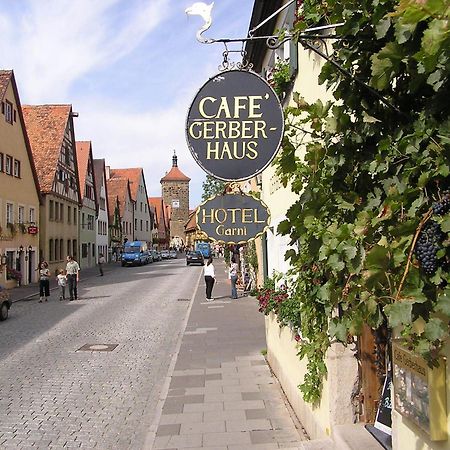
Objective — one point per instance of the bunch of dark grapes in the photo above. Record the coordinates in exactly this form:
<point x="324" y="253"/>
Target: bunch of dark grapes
<point x="442" y="207"/>
<point x="427" y="245"/>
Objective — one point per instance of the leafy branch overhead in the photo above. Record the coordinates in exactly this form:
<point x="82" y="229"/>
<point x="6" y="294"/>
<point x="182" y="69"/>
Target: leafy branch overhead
<point x="371" y="224"/>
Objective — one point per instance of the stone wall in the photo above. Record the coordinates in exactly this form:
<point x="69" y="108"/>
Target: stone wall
<point x="173" y="191"/>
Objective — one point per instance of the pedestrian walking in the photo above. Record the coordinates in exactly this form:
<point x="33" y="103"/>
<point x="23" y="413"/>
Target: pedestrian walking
<point x="210" y="278"/>
<point x="72" y="274"/>
<point x="44" y="281"/>
<point x="62" y="280"/>
<point x="101" y="261"/>
<point x="233" y="276"/>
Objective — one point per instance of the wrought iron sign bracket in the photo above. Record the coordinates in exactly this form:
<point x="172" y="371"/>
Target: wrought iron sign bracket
<point x="307" y="39"/>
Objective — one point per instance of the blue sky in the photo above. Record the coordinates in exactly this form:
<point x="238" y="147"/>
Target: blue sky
<point x="130" y="68"/>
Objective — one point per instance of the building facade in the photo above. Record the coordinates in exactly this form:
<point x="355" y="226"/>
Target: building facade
<point x="19" y="192"/>
<point x="120" y="188"/>
<point x="175" y="194"/>
<point x="101" y="238"/>
<point x="142" y="221"/>
<point x="89" y="207"/>
<point x="162" y="223"/>
<point x="50" y="129"/>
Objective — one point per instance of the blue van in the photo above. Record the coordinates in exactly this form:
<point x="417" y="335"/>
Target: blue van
<point x="135" y="253"/>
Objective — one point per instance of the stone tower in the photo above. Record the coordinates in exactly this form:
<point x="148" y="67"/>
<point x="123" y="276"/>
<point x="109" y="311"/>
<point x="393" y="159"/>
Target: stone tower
<point x="175" y="193"/>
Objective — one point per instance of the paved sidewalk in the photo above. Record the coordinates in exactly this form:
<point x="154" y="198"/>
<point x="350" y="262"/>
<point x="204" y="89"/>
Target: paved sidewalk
<point x="222" y="395"/>
<point x="30" y="291"/>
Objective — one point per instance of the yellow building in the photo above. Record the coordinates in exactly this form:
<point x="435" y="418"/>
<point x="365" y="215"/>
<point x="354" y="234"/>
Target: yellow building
<point x="19" y="192"/>
<point x="51" y="133"/>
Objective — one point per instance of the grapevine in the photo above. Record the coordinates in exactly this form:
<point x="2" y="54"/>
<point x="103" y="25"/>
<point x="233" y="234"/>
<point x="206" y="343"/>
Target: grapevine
<point x="370" y="228"/>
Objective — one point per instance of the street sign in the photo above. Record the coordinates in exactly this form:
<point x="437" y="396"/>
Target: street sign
<point x="233" y="218"/>
<point x="235" y="125"/>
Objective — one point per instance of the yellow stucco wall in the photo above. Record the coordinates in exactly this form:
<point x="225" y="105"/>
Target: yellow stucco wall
<point x="19" y="192"/>
<point x="335" y="405"/>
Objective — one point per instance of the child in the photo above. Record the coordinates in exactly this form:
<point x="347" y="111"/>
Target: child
<point x="62" y="284"/>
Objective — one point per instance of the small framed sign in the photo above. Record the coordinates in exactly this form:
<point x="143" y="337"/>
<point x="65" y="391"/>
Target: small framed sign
<point x="33" y="229"/>
<point x="233" y="218"/>
<point x="235" y="125"/>
<point x="420" y="392"/>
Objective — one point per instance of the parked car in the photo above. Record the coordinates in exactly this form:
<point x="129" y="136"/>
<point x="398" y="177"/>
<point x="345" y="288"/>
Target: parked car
<point x="5" y="304"/>
<point x="149" y="257"/>
<point x="165" y="254"/>
<point x="156" y="255"/>
<point x="194" y="258"/>
<point x="173" y="254"/>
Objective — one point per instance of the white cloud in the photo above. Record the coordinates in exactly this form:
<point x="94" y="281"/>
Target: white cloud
<point x="56" y="46"/>
<point x="58" y="41"/>
<point x="141" y="139"/>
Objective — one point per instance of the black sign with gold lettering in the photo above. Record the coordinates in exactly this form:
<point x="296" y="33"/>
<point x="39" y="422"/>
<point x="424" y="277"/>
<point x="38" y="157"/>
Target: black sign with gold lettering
<point x="235" y="125"/>
<point x="233" y="218"/>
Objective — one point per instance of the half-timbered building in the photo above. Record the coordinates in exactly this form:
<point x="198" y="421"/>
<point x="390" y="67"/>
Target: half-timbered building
<point x="101" y="192"/>
<point x="120" y="187"/>
<point x="50" y="129"/>
<point x="89" y="210"/>
<point x="142" y="224"/>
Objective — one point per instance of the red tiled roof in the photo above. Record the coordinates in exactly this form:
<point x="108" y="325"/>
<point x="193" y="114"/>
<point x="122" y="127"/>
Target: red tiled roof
<point x="191" y="224"/>
<point x="175" y="174"/>
<point x="99" y="173"/>
<point x="133" y="174"/>
<point x="46" y="125"/>
<point x="154" y="214"/>
<point x="162" y="215"/>
<point x="118" y="188"/>
<point x="5" y="77"/>
<point x="112" y="200"/>
<point x="83" y="152"/>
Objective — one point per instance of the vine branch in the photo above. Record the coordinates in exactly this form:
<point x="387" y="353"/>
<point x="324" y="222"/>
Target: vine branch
<point x="425" y="218"/>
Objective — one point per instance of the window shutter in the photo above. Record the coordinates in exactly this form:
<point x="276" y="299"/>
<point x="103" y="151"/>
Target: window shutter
<point x="3" y="108"/>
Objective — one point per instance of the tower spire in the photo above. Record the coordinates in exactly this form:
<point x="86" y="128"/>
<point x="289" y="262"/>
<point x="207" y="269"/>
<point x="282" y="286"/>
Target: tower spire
<point x="174" y="159"/>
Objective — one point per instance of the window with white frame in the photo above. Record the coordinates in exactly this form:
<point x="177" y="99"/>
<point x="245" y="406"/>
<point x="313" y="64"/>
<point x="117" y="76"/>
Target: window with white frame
<point x="8" y="164"/>
<point x="9" y="213"/>
<point x="8" y="112"/>
<point x="32" y="215"/>
<point x="21" y="214"/>
<point x="17" y="168"/>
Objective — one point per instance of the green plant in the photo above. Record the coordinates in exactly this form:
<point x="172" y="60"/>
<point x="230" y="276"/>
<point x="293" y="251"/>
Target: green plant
<point x="12" y="228"/>
<point x="371" y="176"/>
<point x="281" y="77"/>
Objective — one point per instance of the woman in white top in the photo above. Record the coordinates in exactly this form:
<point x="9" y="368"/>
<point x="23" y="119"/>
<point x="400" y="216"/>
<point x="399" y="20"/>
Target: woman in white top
<point x="210" y="278"/>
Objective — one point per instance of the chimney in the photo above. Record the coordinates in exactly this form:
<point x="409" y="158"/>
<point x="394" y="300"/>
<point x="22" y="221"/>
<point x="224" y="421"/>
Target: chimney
<point x="108" y="172"/>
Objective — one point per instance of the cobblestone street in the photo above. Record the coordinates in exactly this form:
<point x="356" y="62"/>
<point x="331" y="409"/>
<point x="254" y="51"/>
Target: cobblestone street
<point x="52" y="395"/>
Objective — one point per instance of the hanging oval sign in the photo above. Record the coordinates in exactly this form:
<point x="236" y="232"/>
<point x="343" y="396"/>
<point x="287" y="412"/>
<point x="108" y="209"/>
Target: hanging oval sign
<point x="235" y="125"/>
<point x="233" y="218"/>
